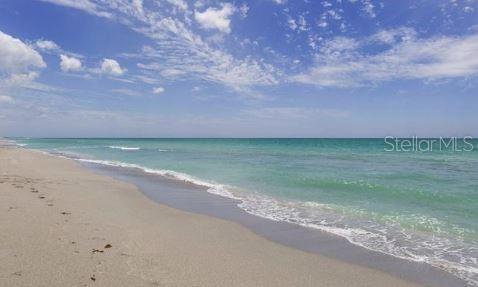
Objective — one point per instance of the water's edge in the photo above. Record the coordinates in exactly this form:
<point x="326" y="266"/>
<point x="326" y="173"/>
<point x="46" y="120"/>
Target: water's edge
<point x="193" y="198"/>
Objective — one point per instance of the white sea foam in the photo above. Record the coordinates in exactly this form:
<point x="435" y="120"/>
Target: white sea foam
<point x="389" y="239"/>
<point x="124" y="147"/>
<point x="215" y="188"/>
<point x="437" y="251"/>
<point x="12" y="142"/>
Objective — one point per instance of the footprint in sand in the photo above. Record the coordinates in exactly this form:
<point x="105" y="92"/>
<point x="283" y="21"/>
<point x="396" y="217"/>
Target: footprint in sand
<point x="107" y="246"/>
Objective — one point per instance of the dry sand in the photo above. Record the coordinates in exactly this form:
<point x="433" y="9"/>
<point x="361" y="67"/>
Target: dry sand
<point x="62" y="225"/>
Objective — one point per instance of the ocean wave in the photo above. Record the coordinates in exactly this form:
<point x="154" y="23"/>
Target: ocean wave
<point x="12" y="142"/>
<point x="124" y="147"/>
<point x="454" y="256"/>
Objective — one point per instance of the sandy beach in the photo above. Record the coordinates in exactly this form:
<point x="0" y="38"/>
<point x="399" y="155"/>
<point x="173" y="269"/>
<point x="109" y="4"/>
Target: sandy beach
<point x="62" y="225"/>
<point x="238" y="143"/>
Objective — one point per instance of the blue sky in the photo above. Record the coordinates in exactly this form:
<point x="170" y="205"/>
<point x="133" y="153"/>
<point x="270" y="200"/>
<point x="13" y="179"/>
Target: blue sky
<point x="264" y="68"/>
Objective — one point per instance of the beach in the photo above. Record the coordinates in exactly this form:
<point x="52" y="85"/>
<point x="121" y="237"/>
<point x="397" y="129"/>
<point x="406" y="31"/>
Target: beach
<point x="62" y="225"/>
<point x="238" y="143"/>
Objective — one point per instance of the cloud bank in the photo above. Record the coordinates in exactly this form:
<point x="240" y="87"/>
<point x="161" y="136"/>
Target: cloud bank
<point x="346" y="62"/>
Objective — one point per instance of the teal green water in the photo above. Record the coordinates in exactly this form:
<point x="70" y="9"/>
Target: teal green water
<point x="422" y="206"/>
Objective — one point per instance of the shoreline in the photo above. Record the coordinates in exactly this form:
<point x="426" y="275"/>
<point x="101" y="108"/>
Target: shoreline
<point x="194" y="198"/>
<point x="253" y="257"/>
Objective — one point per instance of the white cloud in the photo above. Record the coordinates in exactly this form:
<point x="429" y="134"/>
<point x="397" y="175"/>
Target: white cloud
<point x="394" y="35"/>
<point x="68" y="64"/>
<point x="334" y="14"/>
<point x="322" y="24"/>
<point x="339" y="44"/>
<point x="181" y="4"/>
<point x="17" y="56"/>
<point x="19" y="64"/>
<point x="85" y="5"/>
<point x="158" y="90"/>
<point x="20" y="79"/>
<point x="172" y="73"/>
<point x="368" y="7"/>
<point x="341" y="63"/>
<point x="111" y="67"/>
<point x="6" y="99"/>
<point x="302" y="23"/>
<point x="292" y="24"/>
<point x="213" y="18"/>
<point x="146" y="79"/>
<point x="180" y="52"/>
<point x="25" y="80"/>
<point x="243" y="10"/>
<point x="127" y="92"/>
<point x="138" y="6"/>
<point x="46" y="45"/>
<point x="179" y="49"/>
<point x="280" y="2"/>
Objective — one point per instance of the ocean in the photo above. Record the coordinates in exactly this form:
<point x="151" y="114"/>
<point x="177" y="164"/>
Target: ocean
<point x="417" y="205"/>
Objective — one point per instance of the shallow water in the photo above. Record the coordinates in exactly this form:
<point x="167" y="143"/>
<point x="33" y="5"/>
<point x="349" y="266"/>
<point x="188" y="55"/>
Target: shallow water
<point x="421" y="206"/>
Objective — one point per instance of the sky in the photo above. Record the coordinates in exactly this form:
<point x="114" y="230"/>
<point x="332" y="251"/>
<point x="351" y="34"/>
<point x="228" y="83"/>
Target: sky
<point x="262" y="68"/>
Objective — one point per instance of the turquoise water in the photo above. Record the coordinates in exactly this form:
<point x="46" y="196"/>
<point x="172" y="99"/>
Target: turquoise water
<point x="422" y="206"/>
